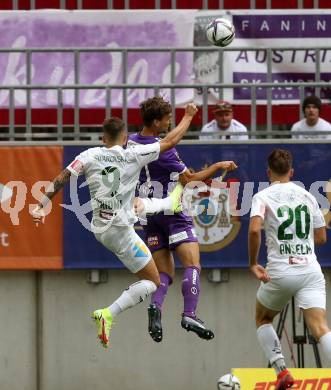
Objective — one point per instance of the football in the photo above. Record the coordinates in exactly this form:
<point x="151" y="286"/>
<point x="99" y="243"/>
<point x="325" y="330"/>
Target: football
<point x="228" y="382"/>
<point x="220" y="32"/>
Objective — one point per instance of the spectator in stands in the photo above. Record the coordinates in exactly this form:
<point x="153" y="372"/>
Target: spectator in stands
<point x="311" y="108"/>
<point x="223" y="126"/>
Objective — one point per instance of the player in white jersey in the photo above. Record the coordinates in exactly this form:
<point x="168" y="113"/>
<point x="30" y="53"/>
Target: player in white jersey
<point x="293" y="224"/>
<point x="112" y="174"/>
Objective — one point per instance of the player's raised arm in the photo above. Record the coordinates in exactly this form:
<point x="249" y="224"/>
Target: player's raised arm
<point x="207" y="173"/>
<point x="38" y="214"/>
<point x="175" y="135"/>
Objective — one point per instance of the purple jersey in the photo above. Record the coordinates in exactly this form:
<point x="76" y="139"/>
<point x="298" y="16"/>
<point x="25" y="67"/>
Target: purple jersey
<point x="163" y="231"/>
<point x="165" y="170"/>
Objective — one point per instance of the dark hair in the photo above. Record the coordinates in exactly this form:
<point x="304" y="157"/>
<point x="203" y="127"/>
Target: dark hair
<point x="280" y="161"/>
<point x="112" y="127"/>
<point x="316" y="101"/>
<point x="154" y="108"/>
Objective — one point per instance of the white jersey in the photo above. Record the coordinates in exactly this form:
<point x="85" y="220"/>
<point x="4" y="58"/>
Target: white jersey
<point x="290" y="216"/>
<point x="212" y="131"/>
<point x="321" y="125"/>
<point x="112" y="175"/>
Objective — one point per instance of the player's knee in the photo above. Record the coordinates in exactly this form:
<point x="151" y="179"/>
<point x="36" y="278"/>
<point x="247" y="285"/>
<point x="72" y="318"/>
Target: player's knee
<point x="192" y="263"/>
<point x="319" y="330"/>
<point x="151" y="286"/>
<point x="262" y="319"/>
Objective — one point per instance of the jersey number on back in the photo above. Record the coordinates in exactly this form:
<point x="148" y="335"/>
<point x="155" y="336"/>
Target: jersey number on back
<point x="111" y="179"/>
<point x="301" y="217"/>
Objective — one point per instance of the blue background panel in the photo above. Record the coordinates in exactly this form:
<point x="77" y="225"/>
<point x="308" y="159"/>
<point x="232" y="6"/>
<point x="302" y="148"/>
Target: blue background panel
<point x="311" y="165"/>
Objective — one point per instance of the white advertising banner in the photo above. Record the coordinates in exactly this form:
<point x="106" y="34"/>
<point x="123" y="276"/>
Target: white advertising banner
<point x="289" y="32"/>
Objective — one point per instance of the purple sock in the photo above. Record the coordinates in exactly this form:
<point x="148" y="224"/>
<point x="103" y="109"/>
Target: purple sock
<point x="191" y="290"/>
<point x="159" y="295"/>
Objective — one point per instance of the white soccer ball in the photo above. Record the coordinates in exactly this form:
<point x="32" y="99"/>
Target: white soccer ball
<point x="228" y="382"/>
<point x="220" y="32"/>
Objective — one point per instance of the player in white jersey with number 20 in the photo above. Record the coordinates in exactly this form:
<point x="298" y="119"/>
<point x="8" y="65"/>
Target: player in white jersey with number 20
<point x="112" y="173"/>
<point x="293" y="224"/>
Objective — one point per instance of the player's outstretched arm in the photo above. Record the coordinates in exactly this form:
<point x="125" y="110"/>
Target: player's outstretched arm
<point x="254" y="243"/>
<point x="38" y="213"/>
<point x="175" y="135"/>
<point x="187" y="176"/>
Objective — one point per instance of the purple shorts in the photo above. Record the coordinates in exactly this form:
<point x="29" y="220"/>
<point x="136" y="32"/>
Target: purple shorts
<point x="169" y="231"/>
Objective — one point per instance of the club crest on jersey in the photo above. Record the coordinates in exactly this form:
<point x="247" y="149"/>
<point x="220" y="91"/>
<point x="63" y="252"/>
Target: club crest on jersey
<point x="215" y="227"/>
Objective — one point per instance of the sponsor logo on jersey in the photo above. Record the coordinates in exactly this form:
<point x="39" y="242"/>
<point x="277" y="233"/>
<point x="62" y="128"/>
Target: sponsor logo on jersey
<point x="140" y="250"/>
<point x="153" y="241"/>
<point x="215" y="227"/>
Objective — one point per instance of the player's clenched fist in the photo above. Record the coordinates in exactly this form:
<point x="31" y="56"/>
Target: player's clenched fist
<point x="38" y="215"/>
<point x="191" y="109"/>
<point x="228" y="165"/>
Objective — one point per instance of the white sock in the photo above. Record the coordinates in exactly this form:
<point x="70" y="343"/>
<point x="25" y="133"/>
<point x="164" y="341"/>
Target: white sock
<point x="270" y="344"/>
<point x="325" y="342"/>
<point x="133" y="295"/>
<point x="155" y="205"/>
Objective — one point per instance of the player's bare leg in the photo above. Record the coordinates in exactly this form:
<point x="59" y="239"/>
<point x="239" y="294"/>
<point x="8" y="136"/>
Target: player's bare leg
<point x="271" y="346"/>
<point x="166" y="267"/>
<point x="316" y="321"/>
<point x="189" y="255"/>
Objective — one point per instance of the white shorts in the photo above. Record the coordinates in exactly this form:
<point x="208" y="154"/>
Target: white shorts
<point x="307" y="289"/>
<point x="125" y="243"/>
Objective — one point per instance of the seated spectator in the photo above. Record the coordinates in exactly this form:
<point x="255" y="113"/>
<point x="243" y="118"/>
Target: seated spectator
<point x="223" y="126"/>
<point x="311" y="108"/>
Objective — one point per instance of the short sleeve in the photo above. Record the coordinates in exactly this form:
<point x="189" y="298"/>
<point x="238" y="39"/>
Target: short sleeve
<point x="173" y="163"/>
<point x="145" y="154"/>
<point x="258" y="207"/>
<point x="78" y="165"/>
<point x="318" y="218"/>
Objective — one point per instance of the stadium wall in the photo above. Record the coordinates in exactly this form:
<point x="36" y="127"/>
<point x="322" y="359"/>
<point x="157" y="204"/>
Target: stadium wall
<point x="49" y="343"/>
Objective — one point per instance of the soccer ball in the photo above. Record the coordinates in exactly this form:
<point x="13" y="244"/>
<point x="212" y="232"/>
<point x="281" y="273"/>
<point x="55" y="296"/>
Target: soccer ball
<point x="220" y="32"/>
<point x="228" y="382"/>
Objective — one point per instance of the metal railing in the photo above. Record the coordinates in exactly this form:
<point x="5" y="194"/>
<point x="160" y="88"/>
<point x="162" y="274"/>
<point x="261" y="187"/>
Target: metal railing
<point x="204" y="4"/>
<point x="77" y="134"/>
<point x="172" y="86"/>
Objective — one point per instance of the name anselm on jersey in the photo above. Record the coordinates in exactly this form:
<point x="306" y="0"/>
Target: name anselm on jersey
<point x="295" y="249"/>
<point x="100" y="157"/>
<point x="111" y="204"/>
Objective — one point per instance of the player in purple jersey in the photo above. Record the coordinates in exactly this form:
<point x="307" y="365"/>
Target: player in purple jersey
<point x="165" y="233"/>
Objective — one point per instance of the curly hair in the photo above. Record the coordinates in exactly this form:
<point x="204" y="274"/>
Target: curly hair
<point x="154" y="108"/>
